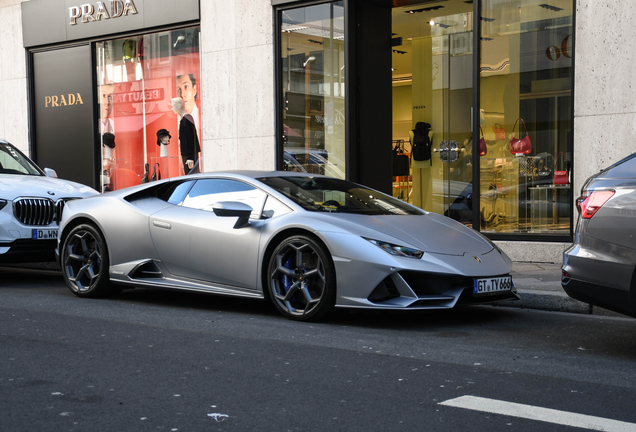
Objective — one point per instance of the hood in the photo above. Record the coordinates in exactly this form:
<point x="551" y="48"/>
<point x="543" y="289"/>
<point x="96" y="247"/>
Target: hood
<point x="431" y="233"/>
<point x="14" y="186"/>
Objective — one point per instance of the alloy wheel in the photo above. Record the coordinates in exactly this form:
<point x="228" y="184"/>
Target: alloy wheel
<point x="82" y="261"/>
<point x="299" y="279"/>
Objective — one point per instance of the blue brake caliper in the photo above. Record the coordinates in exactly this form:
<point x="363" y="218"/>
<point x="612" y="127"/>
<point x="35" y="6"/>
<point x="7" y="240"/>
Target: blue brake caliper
<point x="287" y="282"/>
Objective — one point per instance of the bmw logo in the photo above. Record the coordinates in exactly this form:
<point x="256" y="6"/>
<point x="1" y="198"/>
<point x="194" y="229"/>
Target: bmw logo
<point x="50" y="192"/>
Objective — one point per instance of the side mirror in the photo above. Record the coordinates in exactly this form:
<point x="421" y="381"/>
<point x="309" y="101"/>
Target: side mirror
<point x="50" y="172"/>
<point x="234" y="209"/>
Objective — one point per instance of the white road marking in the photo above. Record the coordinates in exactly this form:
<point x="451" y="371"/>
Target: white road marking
<point x="541" y="414"/>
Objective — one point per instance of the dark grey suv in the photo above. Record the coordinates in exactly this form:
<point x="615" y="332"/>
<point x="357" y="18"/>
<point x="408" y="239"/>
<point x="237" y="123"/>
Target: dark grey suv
<point x="599" y="267"/>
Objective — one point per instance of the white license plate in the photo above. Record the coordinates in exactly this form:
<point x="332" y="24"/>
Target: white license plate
<point x="489" y="285"/>
<point x="50" y="234"/>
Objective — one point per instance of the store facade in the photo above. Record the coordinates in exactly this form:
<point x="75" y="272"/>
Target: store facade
<point x="105" y="107"/>
<point x="334" y="87"/>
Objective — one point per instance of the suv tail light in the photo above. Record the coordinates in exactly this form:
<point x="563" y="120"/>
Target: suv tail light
<point x="589" y="203"/>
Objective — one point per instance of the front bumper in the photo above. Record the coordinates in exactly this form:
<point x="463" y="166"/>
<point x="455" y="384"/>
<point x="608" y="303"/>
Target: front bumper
<point x="26" y="250"/>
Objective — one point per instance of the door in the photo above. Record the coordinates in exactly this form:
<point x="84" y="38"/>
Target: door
<point x="193" y="242"/>
<point x="432" y="83"/>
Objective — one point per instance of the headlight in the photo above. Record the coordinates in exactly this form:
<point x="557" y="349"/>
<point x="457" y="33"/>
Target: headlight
<point x="2" y="203"/>
<point x="396" y="249"/>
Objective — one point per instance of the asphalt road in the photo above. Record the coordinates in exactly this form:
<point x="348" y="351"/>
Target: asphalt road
<point x="152" y="360"/>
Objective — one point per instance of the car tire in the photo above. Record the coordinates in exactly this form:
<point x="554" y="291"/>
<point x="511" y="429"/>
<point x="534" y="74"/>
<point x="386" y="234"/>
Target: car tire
<point x="84" y="261"/>
<point x="301" y="279"/>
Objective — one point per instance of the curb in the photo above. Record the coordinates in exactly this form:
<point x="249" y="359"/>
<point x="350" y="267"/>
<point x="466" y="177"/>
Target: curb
<point x="555" y="302"/>
<point x="547" y="300"/>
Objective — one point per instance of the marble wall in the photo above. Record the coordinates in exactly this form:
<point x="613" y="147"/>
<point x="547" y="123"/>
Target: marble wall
<point x="13" y="83"/>
<point x="237" y="85"/>
<point x="604" y="86"/>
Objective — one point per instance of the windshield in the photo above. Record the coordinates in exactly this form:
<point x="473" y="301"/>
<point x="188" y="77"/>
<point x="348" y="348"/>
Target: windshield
<point x="340" y="196"/>
<point x="14" y="162"/>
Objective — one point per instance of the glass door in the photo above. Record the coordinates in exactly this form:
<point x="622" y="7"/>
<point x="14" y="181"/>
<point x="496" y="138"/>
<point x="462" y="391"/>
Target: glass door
<point x="312" y="55"/>
<point x="432" y="106"/>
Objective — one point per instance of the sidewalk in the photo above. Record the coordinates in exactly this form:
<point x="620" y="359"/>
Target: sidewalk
<point x="539" y="286"/>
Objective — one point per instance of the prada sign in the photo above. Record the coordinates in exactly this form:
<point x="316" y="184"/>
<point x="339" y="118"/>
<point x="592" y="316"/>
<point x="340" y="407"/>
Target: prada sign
<point x="61" y="100"/>
<point x="64" y="127"/>
<point x="88" y="12"/>
<point x="49" y="22"/>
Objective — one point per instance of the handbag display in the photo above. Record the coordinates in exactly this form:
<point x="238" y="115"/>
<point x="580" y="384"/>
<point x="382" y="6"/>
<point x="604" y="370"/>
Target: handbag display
<point x="400" y="161"/>
<point x="544" y="164"/>
<point x="145" y="177"/>
<point x="500" y="132"/>
<point x="482" y="144"/>
<point x="561" y="177"/>
<point x="156" y="173"/>
<point x="520" y="145"/>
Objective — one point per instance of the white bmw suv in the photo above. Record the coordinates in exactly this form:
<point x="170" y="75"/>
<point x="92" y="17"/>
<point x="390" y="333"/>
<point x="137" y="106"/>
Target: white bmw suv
<point x="31" y="204"/>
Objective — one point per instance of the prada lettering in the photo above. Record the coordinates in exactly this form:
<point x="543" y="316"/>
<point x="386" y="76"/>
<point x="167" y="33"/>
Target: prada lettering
<point x="63" y="100"/>
<point x="88" y="12"/>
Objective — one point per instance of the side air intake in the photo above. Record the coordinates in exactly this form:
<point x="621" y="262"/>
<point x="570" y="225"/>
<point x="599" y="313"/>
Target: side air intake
<point x="147" y="270"/>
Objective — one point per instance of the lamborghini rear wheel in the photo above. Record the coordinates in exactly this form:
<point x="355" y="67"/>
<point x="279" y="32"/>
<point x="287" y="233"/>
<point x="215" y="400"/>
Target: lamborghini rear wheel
<point x="302" y="279"/>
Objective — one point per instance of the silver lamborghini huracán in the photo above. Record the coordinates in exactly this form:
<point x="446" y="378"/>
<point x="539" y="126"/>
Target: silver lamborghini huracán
<point x="308" y="243"/>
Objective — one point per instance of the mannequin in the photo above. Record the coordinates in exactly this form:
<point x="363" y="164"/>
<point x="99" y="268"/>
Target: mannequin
<point x="108" y="161"/>
<point x="163" y="139"/>
<point x="422" y="195"/>
<point x="188" y="138"/>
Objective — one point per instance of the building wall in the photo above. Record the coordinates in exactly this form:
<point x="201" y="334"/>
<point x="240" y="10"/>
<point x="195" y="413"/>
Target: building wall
<point x="237" y="84"/>
<point x="13" y="82"/>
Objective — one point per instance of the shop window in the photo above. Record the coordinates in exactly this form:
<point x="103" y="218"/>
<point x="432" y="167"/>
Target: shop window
<point x="526" y="97"/>
<point x="525" y="85"/>
<point x="313" y="85"/>
<point x="149" y="95"/>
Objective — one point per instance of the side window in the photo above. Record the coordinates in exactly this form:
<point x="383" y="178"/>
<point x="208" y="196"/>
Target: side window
<point x="273" y="207"/>
<point x="177" y="194"/>
<point x="205" y="193"/>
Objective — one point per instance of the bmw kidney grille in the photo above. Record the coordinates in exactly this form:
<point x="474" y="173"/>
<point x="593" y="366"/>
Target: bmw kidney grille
<point x="38" y="211"/>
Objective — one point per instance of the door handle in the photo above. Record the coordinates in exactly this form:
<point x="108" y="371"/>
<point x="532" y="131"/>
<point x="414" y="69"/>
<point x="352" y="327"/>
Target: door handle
<point x="161" y="224"/>
<point x="445" y="148"/>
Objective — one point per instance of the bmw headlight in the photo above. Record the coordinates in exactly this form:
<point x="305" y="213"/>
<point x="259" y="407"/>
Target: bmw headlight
<point x="397" y="250"/>
<point x="2" y="203"/>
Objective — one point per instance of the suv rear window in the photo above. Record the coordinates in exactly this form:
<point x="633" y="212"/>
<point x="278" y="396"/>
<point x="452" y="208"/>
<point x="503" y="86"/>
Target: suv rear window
<point x="625" y="168"/>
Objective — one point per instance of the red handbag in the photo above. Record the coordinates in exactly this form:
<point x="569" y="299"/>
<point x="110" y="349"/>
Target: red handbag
<point x="520" y="145"/>
<point x="560" y="177"/>
<point x="482" y="144"/>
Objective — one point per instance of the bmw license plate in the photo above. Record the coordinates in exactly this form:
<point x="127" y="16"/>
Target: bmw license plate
<point x="490" y="285"/>
<point x="50" y="234"/>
